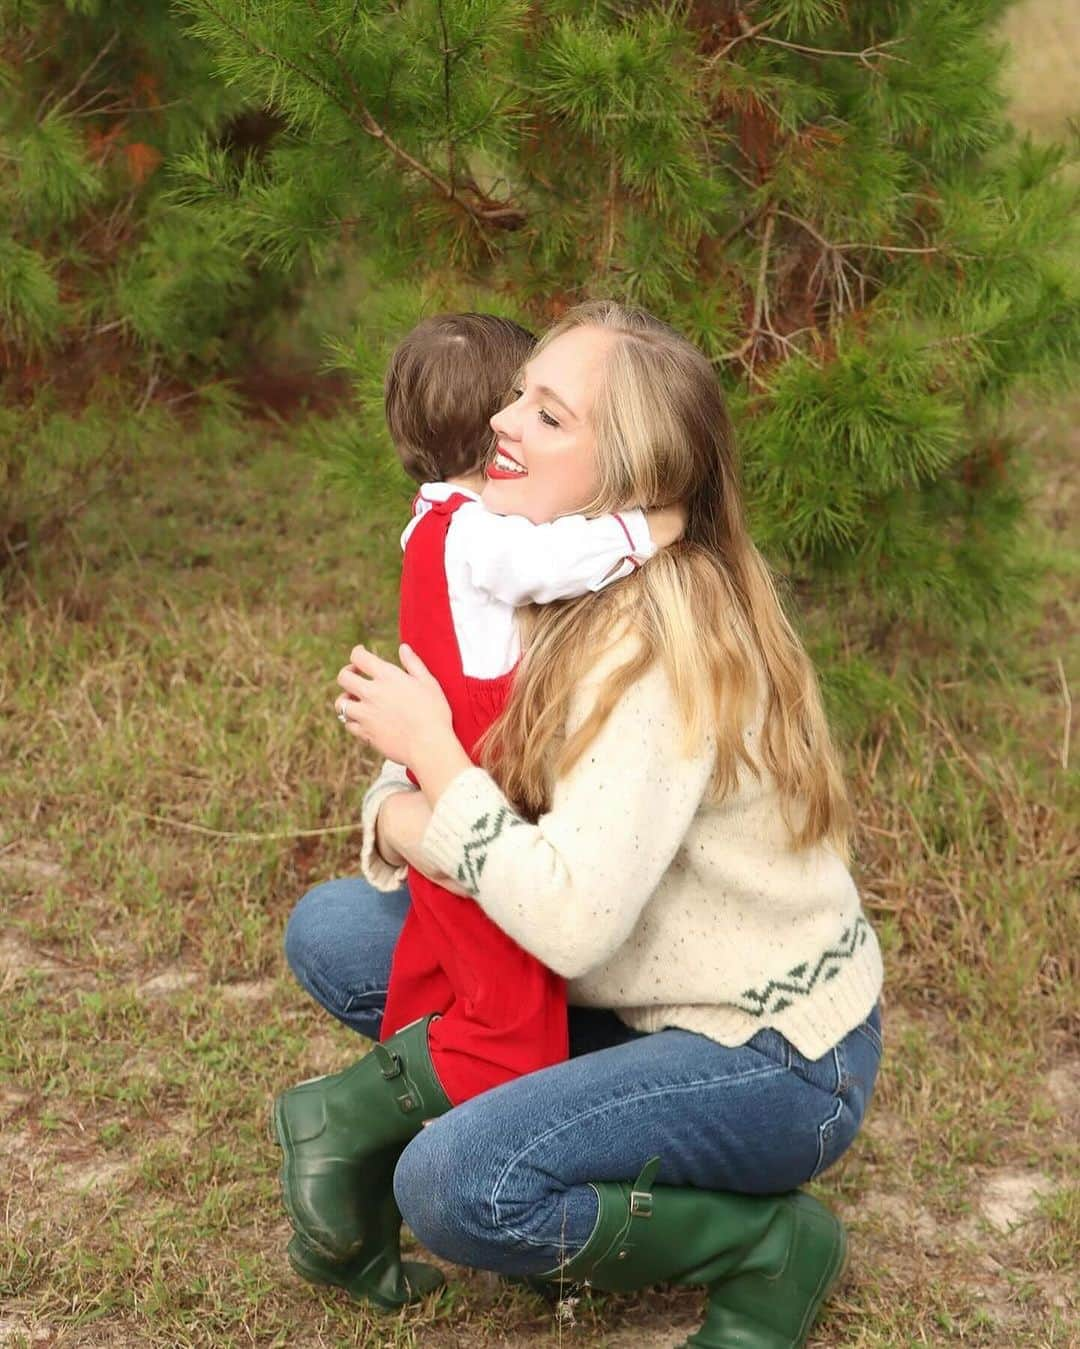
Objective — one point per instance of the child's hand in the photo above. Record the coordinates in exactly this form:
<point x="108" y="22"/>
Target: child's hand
<point x="400" y="827"/>
<point x="667" y="524"/>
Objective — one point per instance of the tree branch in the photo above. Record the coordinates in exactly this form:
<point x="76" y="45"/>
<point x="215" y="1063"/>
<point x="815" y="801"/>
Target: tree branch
<point x="851" y="247"/>
<point x="81" y="80"/>
<point x="359" y="115"/>
<point x="446" y="91"/>
<point x="862" y="57"/>
<point x="757" y="33"/>
<point x="761" y="324"/>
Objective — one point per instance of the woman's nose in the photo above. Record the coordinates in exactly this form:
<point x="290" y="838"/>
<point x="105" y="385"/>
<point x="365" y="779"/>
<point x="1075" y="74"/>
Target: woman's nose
<point x="504" y="423"/>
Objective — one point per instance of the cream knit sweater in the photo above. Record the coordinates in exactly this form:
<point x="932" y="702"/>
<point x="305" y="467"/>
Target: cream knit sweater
<point x="650" y="900"/>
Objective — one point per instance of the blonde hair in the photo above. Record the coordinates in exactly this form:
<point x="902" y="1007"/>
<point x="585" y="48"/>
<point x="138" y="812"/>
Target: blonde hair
<point x="706" y="608"/>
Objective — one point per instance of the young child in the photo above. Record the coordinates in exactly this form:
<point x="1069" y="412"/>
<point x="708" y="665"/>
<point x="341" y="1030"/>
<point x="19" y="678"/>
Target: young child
<point x="477" y="1009"/>
<point x="464" y="572"/>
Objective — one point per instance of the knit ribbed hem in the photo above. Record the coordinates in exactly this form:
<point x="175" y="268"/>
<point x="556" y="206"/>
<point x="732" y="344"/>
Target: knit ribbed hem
<point x="813" y="1025"/>
<point x="468" y="796"/>
<point x="373" y="866"/>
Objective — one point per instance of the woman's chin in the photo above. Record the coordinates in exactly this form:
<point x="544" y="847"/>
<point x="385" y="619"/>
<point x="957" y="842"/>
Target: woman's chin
<point x="504" y="496"/>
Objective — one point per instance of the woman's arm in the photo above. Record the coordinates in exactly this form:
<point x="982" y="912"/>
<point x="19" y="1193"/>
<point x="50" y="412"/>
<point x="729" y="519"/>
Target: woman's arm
<point x="571" y="888"/>
<point x="403" y="822"/>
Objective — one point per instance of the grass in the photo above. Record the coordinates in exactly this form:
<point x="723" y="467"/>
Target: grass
<point x="171" y="676"/>
<point x="166" y="736"/>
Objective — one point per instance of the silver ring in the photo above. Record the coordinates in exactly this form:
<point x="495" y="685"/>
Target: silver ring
<point x="340" y="713"/>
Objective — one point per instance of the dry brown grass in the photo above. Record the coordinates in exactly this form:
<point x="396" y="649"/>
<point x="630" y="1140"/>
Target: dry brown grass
<point x="167" y="672"/>
<point x="170" y="675"/>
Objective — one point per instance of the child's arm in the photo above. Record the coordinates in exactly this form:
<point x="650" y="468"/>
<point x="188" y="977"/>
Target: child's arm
<point x="376" y="869"/>
<point x="517" y="562"/>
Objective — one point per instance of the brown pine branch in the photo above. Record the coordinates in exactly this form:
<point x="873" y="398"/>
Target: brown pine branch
<point x="81" y="81"/>
<point x="863" y="57"/>
<point x="854" y="246"/>
<point x="761" y="323"/>
<point x="446" y="54"/>
<point x="758" y="33"/>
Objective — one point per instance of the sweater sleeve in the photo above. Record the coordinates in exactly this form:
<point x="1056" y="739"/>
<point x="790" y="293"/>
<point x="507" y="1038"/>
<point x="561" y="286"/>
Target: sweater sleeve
<point x="373" y="867"/>
<point x="570" y="888"/>
<point x="517" y="562"/>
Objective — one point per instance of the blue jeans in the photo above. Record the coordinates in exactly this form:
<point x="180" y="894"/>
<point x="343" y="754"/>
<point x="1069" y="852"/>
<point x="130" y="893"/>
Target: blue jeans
<point x="502" y="1181"/>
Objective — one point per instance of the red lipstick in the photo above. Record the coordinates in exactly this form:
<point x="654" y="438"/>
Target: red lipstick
<point x="494" y="471"/>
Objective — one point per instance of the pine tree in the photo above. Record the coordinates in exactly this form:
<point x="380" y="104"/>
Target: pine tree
<point x="826" y="197"/>
<point x="104" y="284"/>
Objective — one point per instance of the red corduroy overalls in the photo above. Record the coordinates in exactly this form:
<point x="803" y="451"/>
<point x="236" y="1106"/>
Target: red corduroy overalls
<point x="503" y="1012"/>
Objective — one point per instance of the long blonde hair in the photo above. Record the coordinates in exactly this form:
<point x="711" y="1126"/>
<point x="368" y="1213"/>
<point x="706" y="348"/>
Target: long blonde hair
<point x="707" y="608"/>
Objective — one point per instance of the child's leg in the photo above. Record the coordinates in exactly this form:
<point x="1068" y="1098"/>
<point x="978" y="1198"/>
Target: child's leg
<point x="508" y="1013"/>
<point x="418" y="983"/>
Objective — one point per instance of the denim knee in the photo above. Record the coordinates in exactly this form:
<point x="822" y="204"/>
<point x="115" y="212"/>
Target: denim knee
<point x="308" y="934"/>
<point x="468" y="1201"/>
<point x="437" y="1192"/>
<point x="339" y="942"/>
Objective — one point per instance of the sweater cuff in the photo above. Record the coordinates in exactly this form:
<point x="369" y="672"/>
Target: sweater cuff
<point x="468" y="817"/>
<point x="374" y="868"/>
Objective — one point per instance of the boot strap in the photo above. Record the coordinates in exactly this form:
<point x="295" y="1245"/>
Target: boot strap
<point x="641" y="1200"/>
<point x="392" y="1066"/>
<point x="639" y="1205"/>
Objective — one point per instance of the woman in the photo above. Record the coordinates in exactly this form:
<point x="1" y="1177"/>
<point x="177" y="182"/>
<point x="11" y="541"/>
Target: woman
<point x="661" y="820"/>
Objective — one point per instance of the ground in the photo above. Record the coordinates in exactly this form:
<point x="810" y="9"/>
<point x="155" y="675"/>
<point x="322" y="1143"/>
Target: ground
<point x="169" y="695"/>
<point x="174" y="779"/>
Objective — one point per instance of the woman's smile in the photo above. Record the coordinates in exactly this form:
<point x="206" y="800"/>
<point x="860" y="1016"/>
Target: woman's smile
<point x="504" y="465"/>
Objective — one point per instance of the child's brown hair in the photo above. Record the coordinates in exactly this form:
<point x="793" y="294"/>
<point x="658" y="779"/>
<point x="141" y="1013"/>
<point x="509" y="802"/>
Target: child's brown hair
<point x="446" y="380"/>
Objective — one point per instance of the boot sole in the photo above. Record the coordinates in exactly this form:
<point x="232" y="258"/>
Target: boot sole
<point x="325" y="1278"/>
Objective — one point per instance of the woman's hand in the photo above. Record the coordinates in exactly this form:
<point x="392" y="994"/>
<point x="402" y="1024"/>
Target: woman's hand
<point x="396" y="710"/>
<point x="400" y="827"/>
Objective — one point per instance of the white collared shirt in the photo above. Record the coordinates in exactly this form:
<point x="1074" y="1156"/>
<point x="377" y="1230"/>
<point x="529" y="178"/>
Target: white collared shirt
<point x="496" y="563"/>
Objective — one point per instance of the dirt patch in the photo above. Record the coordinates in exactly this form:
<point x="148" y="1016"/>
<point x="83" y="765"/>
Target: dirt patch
<point x="258" y="990"/>
<point x="19" y="960"/>
<point x="94" y="1177"/>
<point x="13" y="1331"/>
<point x="1063" y="1088"/>
<point x="12" y="1100"/>
<point x="37" y="870"/>
<point x="1008" y="1198"/>
<point x="168" y="982"/>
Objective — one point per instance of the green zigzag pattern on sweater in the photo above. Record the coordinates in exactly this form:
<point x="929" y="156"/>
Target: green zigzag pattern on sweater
<point x="779" y="994"/>
<point x="475" y="853"/>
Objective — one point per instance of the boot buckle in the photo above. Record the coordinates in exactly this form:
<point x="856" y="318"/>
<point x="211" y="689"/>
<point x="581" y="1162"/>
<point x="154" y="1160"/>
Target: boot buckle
<point x="390" y="1064"/>
<point x="641" y="1200"/>
<point x="640" y="1204"/>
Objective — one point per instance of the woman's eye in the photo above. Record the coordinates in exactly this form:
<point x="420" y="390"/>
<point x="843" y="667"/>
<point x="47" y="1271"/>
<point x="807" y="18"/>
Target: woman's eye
<point x="547" y="418"/>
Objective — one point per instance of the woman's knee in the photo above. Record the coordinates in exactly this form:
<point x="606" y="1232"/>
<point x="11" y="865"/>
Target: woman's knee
<point x="339" y="942"/>
<point x="439" y="1195"/>
<point x="469" y="1200"/>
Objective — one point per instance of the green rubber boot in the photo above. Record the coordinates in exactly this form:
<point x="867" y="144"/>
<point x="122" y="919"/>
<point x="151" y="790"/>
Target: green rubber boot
<point x="341" y="1136"/>
<point x="767" y="1261"/>
<point x="377" y="1273"/>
